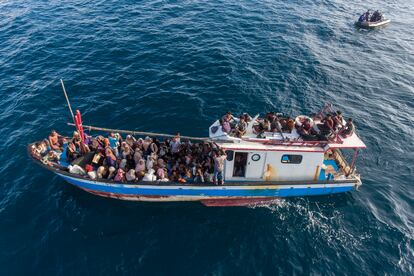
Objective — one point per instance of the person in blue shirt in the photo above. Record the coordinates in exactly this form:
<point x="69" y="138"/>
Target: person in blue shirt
<point x="114" y="143"/>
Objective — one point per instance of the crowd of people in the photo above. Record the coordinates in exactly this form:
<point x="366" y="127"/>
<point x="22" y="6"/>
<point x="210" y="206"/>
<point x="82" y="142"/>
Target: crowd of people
<point x="368" y="17"/>
<point x="150" y="159"/>
<point x="272" y="122"/>
<point x="132" y="160"/>
<point x="332" y="125"/>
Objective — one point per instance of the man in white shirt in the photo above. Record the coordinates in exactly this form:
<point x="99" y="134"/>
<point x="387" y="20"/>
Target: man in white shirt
<point x="219" y="167"/>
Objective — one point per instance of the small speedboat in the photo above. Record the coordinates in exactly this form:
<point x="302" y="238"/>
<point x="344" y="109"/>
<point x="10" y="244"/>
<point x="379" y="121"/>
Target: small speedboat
<point x="371" y="19"/>
<point x="368" y="24"/>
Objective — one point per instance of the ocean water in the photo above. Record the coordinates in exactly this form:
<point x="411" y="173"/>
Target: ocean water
<point x="168" y="66"/>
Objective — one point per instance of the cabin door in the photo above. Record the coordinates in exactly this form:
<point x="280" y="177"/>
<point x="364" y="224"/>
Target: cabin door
<point x="255" y="164"/>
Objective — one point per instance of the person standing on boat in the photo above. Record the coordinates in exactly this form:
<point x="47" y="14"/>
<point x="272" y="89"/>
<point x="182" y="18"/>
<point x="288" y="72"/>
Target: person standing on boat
<point x="175" y="145"/>
<point x="114" y="143"/>
<point x="219" y="167"/>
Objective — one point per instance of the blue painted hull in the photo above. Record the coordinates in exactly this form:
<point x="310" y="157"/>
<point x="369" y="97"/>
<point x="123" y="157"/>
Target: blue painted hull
<point x="204" y="193"/>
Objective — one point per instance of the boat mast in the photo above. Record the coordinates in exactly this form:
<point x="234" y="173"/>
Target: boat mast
<point x="67" y="100"/>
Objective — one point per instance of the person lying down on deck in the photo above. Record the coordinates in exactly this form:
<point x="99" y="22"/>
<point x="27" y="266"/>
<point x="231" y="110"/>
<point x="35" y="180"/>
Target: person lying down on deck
<point x="133" y="159"/>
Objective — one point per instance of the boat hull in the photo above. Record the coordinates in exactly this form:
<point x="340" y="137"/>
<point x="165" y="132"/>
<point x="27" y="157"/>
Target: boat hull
<point x="226" y="195"/>
<point x="366" y="24"/>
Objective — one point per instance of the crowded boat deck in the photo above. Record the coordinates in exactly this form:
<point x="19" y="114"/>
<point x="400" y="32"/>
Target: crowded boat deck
<point x="232" y="141"/>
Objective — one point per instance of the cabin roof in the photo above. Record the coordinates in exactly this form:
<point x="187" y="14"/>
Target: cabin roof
<point x="352" y="141"/>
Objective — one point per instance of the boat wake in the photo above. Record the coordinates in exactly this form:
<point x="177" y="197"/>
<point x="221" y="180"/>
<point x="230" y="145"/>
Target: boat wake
<point x="324" y="222"/>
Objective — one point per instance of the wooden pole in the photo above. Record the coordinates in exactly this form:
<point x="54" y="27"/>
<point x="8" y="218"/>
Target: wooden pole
<point x="67" y="99"/>
<point x="352" y="167"/>
<point x="143" y="133"/>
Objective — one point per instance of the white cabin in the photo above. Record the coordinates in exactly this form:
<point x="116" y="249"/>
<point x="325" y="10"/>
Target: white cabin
<point x="257" y="162"/>
<point x="278" y="156"/>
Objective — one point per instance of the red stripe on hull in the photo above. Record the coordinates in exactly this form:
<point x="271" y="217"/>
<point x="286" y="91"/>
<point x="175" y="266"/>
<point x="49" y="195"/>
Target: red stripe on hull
<point x="214" y="202"/>
<point x="236" y="201"/>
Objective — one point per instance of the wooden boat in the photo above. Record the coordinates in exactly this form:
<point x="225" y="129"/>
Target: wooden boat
<point x="273" y="166"/>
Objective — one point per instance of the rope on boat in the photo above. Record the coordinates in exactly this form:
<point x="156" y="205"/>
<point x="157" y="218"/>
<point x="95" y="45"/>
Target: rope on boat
<point x="143" y="133"/>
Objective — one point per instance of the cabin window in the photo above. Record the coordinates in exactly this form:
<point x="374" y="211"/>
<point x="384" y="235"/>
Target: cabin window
<point x="230" y="155"/>
<point x="256" y="157"/>
<point x="240" y="162"/>
<point x="291" y="159"/>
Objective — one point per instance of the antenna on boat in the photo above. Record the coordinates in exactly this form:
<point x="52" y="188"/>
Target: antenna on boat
<point x="67" y="99"/>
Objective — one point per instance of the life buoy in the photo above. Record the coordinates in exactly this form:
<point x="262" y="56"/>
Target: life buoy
<point x="299" y="120"/>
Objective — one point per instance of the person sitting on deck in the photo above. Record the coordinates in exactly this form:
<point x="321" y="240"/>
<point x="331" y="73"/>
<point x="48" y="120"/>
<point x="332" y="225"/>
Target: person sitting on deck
<point x="348" y="129"/>
<point x="50" y="157"/>
<point x="338" y="120"/>
<point x="270" y="116"/>
<point x="198" y="174"/>
<point x="307" y="132"/>
<point x="376" y="16"/>
<point x="84" y="148"/>
<point x="241" y="127"/>
<point x="327" y="127"/>
<point x="54" y="142"/>
<point x="71" y="153"/>
<point x="276" y="126"/>
<point x="126" y="150"/>
<point x="362" y="18"/>
<point x="228" y="117"/>
<point x="130" y="175"/>
<point x="120" y="176"/>
<point x="110" y="157"/>
<point x="264" y="126"/>
<point x="76" y="139"/>
<point x="290" y="125"/>
<point x="367" y="16"/>
<point x="41" y="148"/>
<point x="225" y="126"/>
<point x="140" y="167"/>
<point x="247" y="117"/>
<point x="161" y="175"/>
<point x="101" y="172"/>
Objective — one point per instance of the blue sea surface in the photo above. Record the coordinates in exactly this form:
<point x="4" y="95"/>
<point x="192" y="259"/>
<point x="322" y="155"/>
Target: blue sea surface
<point x="168" y="66"/>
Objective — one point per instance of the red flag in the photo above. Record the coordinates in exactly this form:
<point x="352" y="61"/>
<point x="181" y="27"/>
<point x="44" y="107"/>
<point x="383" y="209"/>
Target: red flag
<point x="78" y="122"/>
